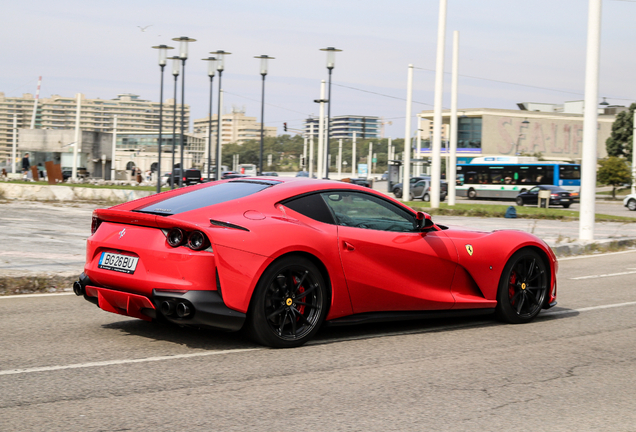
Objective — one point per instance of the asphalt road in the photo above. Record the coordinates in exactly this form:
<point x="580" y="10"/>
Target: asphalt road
<point x="67" y="366"/>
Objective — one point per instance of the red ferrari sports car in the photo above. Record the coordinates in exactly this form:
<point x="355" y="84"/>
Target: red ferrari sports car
<point x="278" y="257"/>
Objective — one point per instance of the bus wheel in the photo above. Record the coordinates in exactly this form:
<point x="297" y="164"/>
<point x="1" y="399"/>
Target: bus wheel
<point x="472" y="194"/>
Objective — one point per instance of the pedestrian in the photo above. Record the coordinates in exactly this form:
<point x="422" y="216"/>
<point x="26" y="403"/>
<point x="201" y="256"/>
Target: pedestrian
<point x="25" y="164"/>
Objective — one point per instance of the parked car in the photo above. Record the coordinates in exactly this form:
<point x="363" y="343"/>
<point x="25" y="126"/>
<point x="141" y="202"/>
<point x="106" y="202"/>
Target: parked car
<point x="397" y="189"/>
<point x="269" y="174"/>
<point x="232" y="174"/>
<point x="558" y="196"/>
<point x="422" y="189"/>
<point x="358" y="181"/>
<point x="630" y="202"/>
<point x="81" y="173"/>
<point x="304" y="174"/>
<point x="189" y="177"/>
<point x="278" y="257"/>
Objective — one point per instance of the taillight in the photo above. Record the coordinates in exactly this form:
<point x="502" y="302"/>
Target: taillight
<point x="554" y="194"/>
<point x="96" y="222"/>
<point x="184" y="179"/>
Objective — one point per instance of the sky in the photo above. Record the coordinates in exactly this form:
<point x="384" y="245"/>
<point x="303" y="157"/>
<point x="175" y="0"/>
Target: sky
<point x="510" y="51"/>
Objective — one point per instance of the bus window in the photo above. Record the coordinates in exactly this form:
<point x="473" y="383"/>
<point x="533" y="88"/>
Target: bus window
<point x="569" y="172"/>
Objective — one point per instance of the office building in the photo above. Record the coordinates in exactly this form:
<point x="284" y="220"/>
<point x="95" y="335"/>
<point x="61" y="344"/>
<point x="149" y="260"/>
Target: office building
<point x="236" y="128"/>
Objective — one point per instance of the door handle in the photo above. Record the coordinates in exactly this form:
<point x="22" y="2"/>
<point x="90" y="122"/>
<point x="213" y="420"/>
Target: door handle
<point x="348" y="246"/>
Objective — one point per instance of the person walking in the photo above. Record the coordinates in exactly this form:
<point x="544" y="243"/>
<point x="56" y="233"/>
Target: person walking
<point x="25" y="164"/>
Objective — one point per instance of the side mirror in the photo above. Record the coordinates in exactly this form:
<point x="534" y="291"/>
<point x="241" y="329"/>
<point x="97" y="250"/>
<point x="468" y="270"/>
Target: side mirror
<point x="423" y="220"/>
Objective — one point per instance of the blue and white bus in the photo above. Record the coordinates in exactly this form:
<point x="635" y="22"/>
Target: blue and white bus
<point x="506" y="177"/>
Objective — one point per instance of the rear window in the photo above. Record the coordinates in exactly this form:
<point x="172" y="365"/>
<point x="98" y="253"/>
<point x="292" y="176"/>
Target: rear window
<point x="206" y="196"/>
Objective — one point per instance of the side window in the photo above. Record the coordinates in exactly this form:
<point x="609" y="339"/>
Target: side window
<point x="534" y="190"/>
<point x="312" y="206"/>
<point x="361" y="210"/>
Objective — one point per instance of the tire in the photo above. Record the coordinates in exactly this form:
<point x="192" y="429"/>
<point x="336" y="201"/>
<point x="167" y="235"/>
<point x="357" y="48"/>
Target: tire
<point x="566" y="205"/>
<point x="472" y="194"/>
<point x="397" y="193"/>
<point x="631" y="204"/>
<point x="275" y="317"/>
<point x="519" y="201"/>
<point x="523" y="287"/>
<point x="411" y="196"/>
<point x="426" y="198"/>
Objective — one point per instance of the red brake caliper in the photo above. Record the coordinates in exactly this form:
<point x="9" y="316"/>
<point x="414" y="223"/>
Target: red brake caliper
<point x="301" y="290"/>
<point x="511" y="286"/>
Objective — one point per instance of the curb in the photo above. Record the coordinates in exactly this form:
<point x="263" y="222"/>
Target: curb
<point x="608" y="245"/>
<point x="42" y="283"/>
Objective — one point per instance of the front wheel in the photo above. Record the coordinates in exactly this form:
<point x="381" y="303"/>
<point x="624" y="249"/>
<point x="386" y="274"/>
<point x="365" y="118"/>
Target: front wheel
<point x="426" y="198"/>
<point x="288" y="305"/>
<point x="522" y="287"/>
<point x="411" y="196"/>
<point x="397" y="193"/>
<point x="519" y="201"/>
<point x="631" y="204"/>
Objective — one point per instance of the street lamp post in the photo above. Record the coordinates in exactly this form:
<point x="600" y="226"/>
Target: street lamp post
<point x="264" y="59"/>
<point x="176" y="66"/>
<point x="331" y="63"/>
<point x="211" y="71"/>
<point x="183" y="55"/>
<point x="163" y="50"/>
<point x="220" y="66"/>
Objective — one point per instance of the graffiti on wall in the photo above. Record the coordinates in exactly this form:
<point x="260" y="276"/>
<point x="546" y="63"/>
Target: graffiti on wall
<point x="547" y="137"/>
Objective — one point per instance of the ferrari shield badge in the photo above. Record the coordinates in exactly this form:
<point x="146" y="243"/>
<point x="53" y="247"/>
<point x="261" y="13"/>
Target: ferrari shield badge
<point x="469" y="249"/>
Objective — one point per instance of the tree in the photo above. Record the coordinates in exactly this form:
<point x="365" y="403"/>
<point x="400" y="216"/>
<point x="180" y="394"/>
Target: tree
<point x="613" y="171"/>
<point x="620" y="142"/>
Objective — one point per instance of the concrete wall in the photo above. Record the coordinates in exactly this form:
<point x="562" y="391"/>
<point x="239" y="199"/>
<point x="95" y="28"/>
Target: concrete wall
<point x="68" y="193"/>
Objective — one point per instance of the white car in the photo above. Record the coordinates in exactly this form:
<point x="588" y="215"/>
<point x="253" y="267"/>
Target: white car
<point x="630" y="202"/>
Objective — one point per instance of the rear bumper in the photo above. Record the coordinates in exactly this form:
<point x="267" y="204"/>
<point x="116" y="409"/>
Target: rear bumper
<point x="205" y="308"/>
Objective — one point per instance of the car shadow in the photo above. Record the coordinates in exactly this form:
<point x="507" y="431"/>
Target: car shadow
<point x="210" y="339"/>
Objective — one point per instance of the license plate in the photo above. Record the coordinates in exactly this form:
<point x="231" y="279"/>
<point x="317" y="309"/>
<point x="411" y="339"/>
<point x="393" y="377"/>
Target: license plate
<point x="117" y="262"/>
<point x="565" y="199"/>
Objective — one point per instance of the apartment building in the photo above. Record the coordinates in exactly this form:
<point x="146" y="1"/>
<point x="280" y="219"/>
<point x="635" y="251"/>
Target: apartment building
<point x="236" y="128"/>
<point x="365" y="127"/>
<point x="96" y="115"/>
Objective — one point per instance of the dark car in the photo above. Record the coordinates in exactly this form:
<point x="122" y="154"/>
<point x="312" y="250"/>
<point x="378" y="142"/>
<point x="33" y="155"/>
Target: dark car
<point x="304" y="174"/>
<point x="189" y="177"/>
<point x="422" y="189"/>
<point x="558" y="196"/>
<point x="232" y="174"/>
<point x="269" y="174"/>
<point x="359" y="181"/>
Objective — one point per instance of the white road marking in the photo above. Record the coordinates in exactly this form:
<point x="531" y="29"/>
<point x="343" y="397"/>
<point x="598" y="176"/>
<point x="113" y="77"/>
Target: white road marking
<point x="569" y="311"/>
<point x="119" y="362"/>
<point x="35" y="295"/>
<point x="603" y="275"/>
<point x="595" y="255"/>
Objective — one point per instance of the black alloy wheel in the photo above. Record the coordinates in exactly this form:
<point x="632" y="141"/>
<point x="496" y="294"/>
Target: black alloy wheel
<point x="519" y="201"/>
<point x="522" y="288"/>
<point x="288" y="305"/>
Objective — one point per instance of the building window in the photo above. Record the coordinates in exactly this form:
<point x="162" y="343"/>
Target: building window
<point x="469" y="132"/>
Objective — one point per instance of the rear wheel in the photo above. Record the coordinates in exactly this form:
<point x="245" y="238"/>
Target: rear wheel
<point x="288" y="305"/>
<point x="631" y="204"/>
<point x="397" y="193"/>
<point x="519" y="201"/>
<point x="426" y="198"/>
<point x="566" y="205"/>
<point x="472" y="193"/>
<point x="411" y="196"/>
<point x="522" y="288"/>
